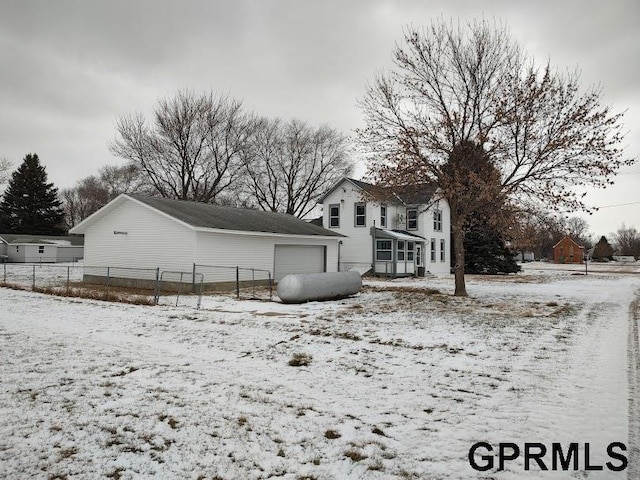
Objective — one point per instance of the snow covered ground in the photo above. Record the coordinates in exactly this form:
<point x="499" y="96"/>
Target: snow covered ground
<point x="401" y="382"/>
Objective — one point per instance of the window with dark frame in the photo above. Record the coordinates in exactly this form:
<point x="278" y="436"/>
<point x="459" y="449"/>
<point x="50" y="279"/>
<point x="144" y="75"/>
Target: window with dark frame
<point x="412" y="218"/>
<point x="401" y="250"/>
<point x="383" y="215"/>
<point x="437" y="220"/>
<point x="334" y="216"/>
<point x="442" y="250"/>
<point x="433" y="249"/>
<point x="361" y="215"/>
<point x="410" y="247"/>
<point x="383" y="250"/>
<point x="40" y="249"/>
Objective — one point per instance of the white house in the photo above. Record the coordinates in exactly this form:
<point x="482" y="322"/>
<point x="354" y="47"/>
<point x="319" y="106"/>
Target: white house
<point x="23" y="248"/>
<point x="407" y="235"/>
<point x="134" y="233"/>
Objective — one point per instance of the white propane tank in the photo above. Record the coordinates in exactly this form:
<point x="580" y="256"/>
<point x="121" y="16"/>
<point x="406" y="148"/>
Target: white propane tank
<point x="300" y="288"/>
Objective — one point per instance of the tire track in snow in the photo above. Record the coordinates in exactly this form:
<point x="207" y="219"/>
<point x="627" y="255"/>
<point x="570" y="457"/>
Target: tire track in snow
<point x="634" y="388"/>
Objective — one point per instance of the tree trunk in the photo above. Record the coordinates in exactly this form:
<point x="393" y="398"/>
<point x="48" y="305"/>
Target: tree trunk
<point x="458" y="249"/>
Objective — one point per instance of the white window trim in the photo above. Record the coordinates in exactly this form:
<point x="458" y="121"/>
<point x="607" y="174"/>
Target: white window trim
<point x="355" y="215"/>
<point x="337" y="205"/>
<point x="416" y="219"/>
<point x="437" y="220"/>
<point x="390" y="250"/>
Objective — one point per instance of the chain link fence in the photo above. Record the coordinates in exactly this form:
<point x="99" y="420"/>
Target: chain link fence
<point x="245" y="283"/>
<point x="141" y="285"/>
<point x="42" y="275"/>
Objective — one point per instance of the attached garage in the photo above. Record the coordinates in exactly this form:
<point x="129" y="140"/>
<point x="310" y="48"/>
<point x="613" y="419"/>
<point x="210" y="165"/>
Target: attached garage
<point x="299" y="259"/>
<point x="137" y="234"/>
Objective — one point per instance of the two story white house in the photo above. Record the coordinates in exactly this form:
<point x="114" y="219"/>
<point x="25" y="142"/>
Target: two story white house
<point x="406" y="235"/>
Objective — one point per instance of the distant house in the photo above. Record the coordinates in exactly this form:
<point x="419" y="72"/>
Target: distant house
<point x="409" y="234"/>
<point x="568" y="250"/>
<point x="525" y="256"/>
<point x="23" y="248"/>
<point x="135" y="232"/>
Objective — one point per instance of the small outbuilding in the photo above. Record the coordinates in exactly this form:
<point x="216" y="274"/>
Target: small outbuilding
<point x="136" y="234"/>
<point x="23" y="248"/>
<point x="568" y="250"/>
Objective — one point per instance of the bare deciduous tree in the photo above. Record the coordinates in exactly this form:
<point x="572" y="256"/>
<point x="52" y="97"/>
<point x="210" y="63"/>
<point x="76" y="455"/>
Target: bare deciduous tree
<point x="5" y="170"/>
<point x="89" y="195"/>
<point x="454" y="85"/>
<point x="124" y="179"/>
<point x="93" y="192"/>
<point x="627" y="241"/>
<point x="191" y="150"/>
<point x="291" y="165"/>
<point x="578" y="229"/>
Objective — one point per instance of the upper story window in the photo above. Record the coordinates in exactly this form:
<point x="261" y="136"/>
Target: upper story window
<point x="361" y="214"/>
<point x="334" y="215"/>
<point x="383" y="216"/>
<point x="437" y="220"/>
<point x="412" y="218"/>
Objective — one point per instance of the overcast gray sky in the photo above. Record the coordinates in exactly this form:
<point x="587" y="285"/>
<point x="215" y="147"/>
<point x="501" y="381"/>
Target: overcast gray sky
<point x="69" y="69"/>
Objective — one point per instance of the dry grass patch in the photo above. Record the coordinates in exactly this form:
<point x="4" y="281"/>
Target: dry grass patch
<point x="300" y="360"/>
<point x="354" y="455"/>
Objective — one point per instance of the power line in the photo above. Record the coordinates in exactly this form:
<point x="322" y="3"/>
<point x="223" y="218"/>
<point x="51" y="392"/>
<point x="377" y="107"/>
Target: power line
<point x="618" y="205"/>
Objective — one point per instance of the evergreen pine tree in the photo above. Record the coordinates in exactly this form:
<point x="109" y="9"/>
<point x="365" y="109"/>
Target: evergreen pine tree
<point x="485" y="248"/>
<point x="30" y="205"/>
<point x="603" y="250"/>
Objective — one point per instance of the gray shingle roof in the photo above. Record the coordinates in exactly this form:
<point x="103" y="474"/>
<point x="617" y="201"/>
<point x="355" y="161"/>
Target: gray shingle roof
<point x="205" y="215"/>
<point x="75" y="240"/>
<point x="409" y="195"/>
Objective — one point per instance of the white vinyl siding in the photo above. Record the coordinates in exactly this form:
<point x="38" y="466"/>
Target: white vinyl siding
<point x="146" y="239"/>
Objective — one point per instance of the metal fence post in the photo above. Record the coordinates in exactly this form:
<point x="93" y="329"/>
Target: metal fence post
<point x="270" y="287"/>
<point x="179" y="289"/>
<point x="253" y="283"/>
<point x="156" y="297"/>
<point x="108" y="280"/>
<point x="200" y="294"/>
<point x="237" y="282"/>
<point x="68" y="268"/>
<point x="5" y="272"/>
<point x="193" y="279"/>
<point x="33" y="281"/>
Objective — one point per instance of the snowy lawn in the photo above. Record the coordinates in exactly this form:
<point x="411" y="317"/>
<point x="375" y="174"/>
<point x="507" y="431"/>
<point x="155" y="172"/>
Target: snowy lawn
<point x="396" y="382"/>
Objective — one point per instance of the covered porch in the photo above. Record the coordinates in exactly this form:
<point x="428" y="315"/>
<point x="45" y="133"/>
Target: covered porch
<point x="397" y="253"/>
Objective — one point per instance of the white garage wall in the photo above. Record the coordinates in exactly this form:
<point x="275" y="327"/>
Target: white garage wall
<point x="151" y="240"/>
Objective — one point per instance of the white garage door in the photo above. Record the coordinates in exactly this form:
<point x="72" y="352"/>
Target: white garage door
<point x="298" y="259"/>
